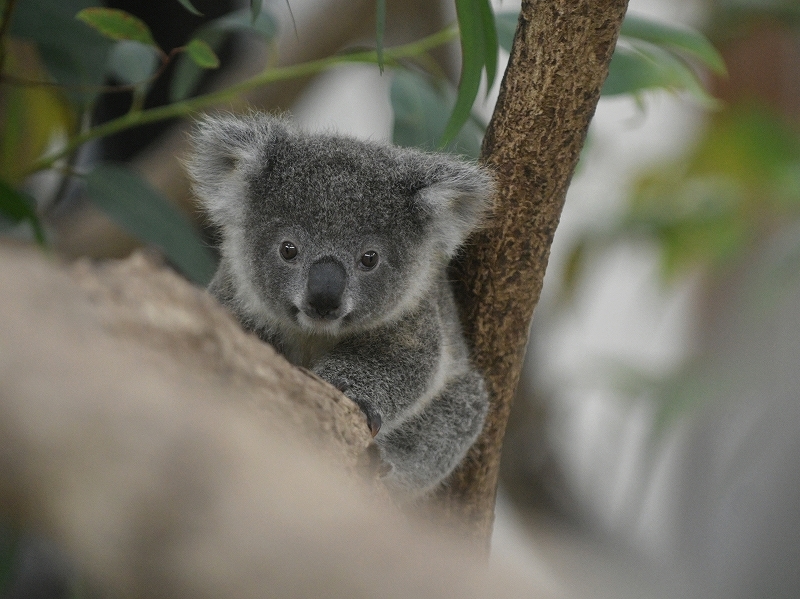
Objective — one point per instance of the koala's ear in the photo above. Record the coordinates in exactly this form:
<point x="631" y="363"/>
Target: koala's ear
<point x="224" y="148"/>
<point x="457" y="195"/>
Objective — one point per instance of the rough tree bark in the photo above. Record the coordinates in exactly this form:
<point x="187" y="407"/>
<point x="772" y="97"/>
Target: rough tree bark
<point x="558" y="63"/>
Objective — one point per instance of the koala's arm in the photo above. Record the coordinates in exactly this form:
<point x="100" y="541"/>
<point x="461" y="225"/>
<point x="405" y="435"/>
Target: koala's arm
<point x="389" y="370"/>
<point x="431" y="403"/>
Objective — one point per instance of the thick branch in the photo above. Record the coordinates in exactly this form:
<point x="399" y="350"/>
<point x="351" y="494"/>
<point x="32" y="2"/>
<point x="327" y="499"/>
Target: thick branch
<point x="171" y="454"/>
<point x="558" y="63"/>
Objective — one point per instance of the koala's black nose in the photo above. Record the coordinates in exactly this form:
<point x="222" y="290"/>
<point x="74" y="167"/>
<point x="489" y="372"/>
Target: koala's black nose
<point x="326" y="282"/>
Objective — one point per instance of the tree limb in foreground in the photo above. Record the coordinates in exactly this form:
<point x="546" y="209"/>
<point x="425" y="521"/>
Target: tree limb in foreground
<point x="172" y="455"/>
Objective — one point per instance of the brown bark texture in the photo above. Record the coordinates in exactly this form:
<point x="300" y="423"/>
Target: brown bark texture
<point x="559" y="61"/>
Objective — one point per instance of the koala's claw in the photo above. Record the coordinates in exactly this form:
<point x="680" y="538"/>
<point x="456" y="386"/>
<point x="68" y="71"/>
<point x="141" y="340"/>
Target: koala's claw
<point x="374" y="423"/>
<point x="373" y="418"/>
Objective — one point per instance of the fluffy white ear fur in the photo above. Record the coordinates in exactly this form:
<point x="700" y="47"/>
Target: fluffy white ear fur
<point x="225" y="149"/>
<point x="458" y="195"/>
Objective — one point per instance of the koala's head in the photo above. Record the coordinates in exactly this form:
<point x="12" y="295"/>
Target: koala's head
<point x="323" y="233"/>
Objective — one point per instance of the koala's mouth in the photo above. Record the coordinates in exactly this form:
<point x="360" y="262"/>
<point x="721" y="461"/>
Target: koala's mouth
<point x="313" y="321"/>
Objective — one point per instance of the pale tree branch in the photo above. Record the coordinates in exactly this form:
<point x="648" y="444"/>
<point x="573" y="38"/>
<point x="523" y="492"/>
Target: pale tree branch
<point x="172" y="455"/>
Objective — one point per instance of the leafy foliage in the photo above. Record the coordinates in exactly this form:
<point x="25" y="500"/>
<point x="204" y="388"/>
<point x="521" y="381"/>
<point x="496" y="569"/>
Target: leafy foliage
<point x="650" y="55"/>
<point x="202" y="54"/>
<point x="213" y="34"/>
<point x="421" y="108"/>
<point x="81" y="45"/>
<point x="653" y="55"/>
<point x="742" y="181"/>
<point x="478" y="52"/>
<point x="117" y="25"/>
<point x="72" y="53"/>
<point x="132" y="62"/>
<point x="140" y="209"/>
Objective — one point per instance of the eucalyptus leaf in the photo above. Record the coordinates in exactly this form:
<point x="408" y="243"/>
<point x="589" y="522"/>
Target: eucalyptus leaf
<point x="681" y="39"/>
<point x="490" y="47"/>
<point x="187" y="73"/>
<point x="148" y="215"/>
<point x="190" y="7"/>
<point x="640" y="66"/>
<point x="473" y="58"/>
<point x="116" y="24"/>
<point x="421" y="107"/>
<point x="132" y="62"/>
<point x="73" y="53"/>
<point x="17" y="207"/>
<point x="202" y="54"/>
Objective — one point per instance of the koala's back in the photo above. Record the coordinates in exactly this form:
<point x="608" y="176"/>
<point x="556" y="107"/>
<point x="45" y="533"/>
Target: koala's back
<point x="335" y="251"/>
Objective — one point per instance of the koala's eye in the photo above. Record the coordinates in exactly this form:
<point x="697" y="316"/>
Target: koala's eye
<point x="369" y="259"/>
<point x="288" y="250"/>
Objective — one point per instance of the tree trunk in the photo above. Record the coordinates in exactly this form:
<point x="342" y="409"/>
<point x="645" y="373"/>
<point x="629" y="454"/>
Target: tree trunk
<point x="558" y="64"/>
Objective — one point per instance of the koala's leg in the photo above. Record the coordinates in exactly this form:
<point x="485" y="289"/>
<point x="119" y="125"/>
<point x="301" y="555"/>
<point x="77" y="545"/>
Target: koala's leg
<point x="427" y="447"/>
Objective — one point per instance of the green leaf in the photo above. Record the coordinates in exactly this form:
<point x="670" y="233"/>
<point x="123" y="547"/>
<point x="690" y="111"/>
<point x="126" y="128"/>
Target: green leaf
<point x="188" y="6"/>
<point x="187" y="74"/>
<point x="490" y="46"/>
<point x="683" y="40"/>
<point x="641" y="65"/>
<point x="117" y="24"/>
<point x="132" y="62"/>
<point x="17" y="207"/>
<point x="148" y="215"/>
<point x="73" y="53"/>
<point x="380" y="27"/>
<point x="255" y="9"/>
<point x="506" y="24"/>
<point x="421" y="106"/>
<point x="473" y="59"/>
<point x="202" y="54"/>
<point x="630" y="71"/>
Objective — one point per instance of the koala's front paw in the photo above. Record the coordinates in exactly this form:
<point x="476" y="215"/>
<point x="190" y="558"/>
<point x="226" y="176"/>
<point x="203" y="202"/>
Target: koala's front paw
<point x="374" y="420"/>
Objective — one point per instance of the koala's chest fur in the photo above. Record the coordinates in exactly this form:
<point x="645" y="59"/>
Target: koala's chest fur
<point x="305" y="350"/>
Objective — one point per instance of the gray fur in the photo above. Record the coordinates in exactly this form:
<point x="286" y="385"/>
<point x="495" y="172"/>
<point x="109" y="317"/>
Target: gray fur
<point x="392" y="341"/>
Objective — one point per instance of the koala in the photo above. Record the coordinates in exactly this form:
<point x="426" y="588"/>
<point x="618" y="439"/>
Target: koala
<point x="335" y="251"/>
